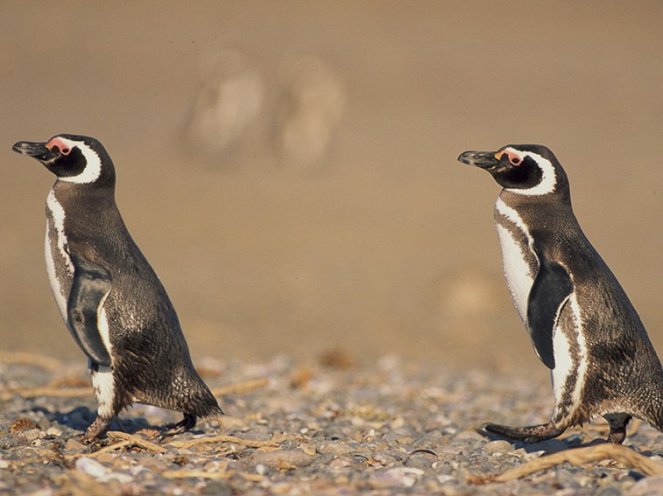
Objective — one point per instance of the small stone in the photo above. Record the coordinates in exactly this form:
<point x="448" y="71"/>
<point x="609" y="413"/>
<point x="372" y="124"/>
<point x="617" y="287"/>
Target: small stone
<point x="54" y="431"/>
<point x="218" y="488"/>
<point x="609" y="491"/>
<point x="397" y="423"/>
<point x="339" y="464"/>
<point x="307" y="448"/>
<point x="650" y="486"/>
<point x="282" y="459"/>
<point x="468" y="436"/>
<point x="31" y="434"/>
<point x="531" y="456"/>
<point x="73" y="444"/>
<point x="91" y="467"/>
<point x="498" y="446"/>
<point x="421" y="459"/>
<point x="336" y="448"/>
<point x="398" y="476"/>
<point x="443" y="478"/>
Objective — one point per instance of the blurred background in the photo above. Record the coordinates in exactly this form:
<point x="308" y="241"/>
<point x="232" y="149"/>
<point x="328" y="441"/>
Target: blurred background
<point x="289" y="168"/>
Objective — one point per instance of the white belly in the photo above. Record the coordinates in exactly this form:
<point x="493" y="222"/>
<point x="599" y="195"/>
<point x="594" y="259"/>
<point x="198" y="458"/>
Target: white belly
<point x="58" y="261"/>
<point x="518" y="257"/>
<point x="52" y="279"/>
<point x="516" y="271"/>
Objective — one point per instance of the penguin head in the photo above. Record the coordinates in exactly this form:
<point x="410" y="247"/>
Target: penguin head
<point x="529" y="170"/>
<point x="72" y="158"/>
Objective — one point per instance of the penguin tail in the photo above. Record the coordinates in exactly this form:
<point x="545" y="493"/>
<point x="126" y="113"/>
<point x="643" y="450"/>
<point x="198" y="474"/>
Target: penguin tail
<point x="215" y="411"/>
<point x="212" y="413"/>
<point x="206" y="407"/>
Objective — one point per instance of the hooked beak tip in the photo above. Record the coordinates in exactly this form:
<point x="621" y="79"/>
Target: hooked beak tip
<point x="484" y="160"/>
<point x="35" y="150"/>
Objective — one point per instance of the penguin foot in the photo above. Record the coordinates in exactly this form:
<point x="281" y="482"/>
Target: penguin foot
<point x="96" y="429"/>
<point x="529" y="434"/>
<point x="618" y="423"/>
<point x="187" y="423"/>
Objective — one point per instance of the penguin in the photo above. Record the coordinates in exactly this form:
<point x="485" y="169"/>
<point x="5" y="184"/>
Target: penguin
<point x="582" y="325"/>
<point x="111" y="300"/>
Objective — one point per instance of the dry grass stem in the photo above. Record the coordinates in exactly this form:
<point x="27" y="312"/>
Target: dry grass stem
<point x="579" y="457"/>
<point x="136" y="440"/>
<point x="107" y="449"/>
<point x="241" y="387"/>
<point x="250" y="443"/>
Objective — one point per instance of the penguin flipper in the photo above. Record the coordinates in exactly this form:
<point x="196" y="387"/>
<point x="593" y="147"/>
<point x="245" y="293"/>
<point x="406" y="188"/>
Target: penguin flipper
<point x="549" y="292"/>
<point x="89" y="289"/>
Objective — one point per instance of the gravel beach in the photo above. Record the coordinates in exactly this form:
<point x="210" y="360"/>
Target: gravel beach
<point x="322" y="427"/>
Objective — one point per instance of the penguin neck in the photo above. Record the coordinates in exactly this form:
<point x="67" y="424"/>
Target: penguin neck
<point x="92" y="199"/>
<point x="559" y="202"/>
<point x="84" y="190"/>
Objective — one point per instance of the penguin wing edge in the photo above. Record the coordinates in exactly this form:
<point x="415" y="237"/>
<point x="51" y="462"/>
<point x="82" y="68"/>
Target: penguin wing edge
<point x="89" y="289"/>
<point x="550" y="290"/>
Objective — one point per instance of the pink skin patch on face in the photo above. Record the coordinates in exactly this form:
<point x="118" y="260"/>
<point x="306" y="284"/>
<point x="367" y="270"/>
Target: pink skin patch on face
<point x="61" y="145"/>
<point x="513" y="157"/>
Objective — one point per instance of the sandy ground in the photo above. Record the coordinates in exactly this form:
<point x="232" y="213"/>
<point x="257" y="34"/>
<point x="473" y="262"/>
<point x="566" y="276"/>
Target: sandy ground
<point x="379" y="243"/>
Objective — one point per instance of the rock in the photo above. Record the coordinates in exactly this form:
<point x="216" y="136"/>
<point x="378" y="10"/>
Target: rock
<point x="336" y="448"/>
<point x="469" y="436"/>
<point x="73" y="444"/>
<point x="498" y="446"/>
<point x="610" y="491"/>
<point x="421" y="459"/>
<point x="31" y="434"/>
<point x="54" y="431"/>
<point x="443" y="479"/>
<point x="340" y="464"/>
<point x="217" y="488"/>
<point x="398" y="476"/>
<point x="282" y="459"/>
<point x="650" y="486"/>
<point x="91" y="467"/>
<point x="96" y="470"/>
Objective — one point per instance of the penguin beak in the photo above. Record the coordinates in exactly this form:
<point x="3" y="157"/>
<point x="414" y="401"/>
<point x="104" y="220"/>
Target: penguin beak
<point x="485" y="160"/>
<point x="36" y="150"/>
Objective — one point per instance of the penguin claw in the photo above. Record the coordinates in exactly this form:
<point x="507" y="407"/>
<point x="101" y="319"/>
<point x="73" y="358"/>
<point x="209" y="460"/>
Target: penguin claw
<point x="529" y="434"/>
<point x="184" y="425"/>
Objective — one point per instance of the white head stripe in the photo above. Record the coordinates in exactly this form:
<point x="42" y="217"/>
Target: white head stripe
<point x="548" y="175"/>
<point x="92" y="169"/>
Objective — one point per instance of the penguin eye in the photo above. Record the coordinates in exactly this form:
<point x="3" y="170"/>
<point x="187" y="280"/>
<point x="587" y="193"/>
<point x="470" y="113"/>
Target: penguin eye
<point x="64" y="149"/>
<point x="515" y="160"/>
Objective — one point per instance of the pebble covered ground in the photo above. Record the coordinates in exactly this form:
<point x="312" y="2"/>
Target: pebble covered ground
<point x="325" y="427"/>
